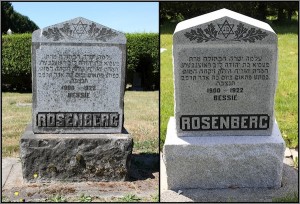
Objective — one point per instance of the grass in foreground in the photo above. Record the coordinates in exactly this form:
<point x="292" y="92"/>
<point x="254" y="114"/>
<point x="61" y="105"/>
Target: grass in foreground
<point x="286" y="101"/>
<point x="129" y="198"/>
<point x="14" y="120"/>
<point x="166" y="84"/>
<point x="141" y="120"/>
<point x="59" y="198"/>
<point x="292" y="198"/>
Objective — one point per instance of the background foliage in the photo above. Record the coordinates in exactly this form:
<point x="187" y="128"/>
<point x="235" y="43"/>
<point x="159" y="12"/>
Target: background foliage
<point x="15" y="21"/>
<point x="178" y="11"/>
<point x="142" y="57"/>
<point x="16" y="62"/>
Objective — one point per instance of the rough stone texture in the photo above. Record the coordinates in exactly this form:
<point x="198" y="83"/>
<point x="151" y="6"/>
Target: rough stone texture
<point x="142" y="181"/>
<point x="223" y="162"/>
<point x="75" y="157"/>
<point x="225" y="65"/>
<point x="78" y="69"/>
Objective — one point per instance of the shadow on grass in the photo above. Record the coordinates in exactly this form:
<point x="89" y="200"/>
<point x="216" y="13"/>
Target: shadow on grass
<point x="143" y="166"/>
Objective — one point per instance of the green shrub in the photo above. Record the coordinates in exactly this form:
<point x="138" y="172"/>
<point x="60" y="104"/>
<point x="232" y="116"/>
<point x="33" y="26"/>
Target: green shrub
<point x="142" y="57"/>
<point x="16" y="62"/>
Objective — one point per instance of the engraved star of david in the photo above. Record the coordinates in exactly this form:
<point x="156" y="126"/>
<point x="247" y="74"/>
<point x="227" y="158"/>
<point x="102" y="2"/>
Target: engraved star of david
<point x="79" y="28"/>
<point x="226" y="29"/>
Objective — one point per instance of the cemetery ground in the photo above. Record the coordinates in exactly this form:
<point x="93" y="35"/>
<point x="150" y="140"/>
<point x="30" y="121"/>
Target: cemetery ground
<point x="141" y="121"/>
<point x="286" y="101"/>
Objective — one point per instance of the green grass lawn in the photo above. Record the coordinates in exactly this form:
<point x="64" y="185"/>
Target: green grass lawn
<point x="286" y="101"/>
<point x="141" y="120"/>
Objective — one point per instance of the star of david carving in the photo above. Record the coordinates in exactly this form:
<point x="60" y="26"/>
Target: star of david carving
<point x="79" y="28"/>
<point x="226" y="29"/>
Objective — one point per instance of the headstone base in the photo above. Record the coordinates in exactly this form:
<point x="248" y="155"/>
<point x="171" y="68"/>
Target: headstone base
<point x="75" y="157"/>
<point x="223" y="161"/>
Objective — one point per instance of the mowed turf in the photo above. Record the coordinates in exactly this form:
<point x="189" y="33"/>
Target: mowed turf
<point x="286" y="101"/>
<point x="141" y="120"/>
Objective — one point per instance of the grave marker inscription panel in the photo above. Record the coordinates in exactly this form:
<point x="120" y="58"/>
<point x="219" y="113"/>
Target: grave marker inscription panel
<point x="225" y="72"/>
<point x="78" y="78"/>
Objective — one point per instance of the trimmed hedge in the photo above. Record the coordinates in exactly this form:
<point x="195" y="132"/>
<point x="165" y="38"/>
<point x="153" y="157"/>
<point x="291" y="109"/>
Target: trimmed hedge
<point x="142" y="57"/>
<point x="16" y="62"/>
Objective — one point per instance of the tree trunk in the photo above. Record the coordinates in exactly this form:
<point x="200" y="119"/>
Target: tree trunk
<point x="262" y="11"/>
<point x="280" y="16"/>
<point x="290" y="13"/>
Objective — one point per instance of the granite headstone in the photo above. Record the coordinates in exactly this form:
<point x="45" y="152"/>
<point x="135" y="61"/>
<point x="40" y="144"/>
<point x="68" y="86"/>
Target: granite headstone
<point x="77" y="133"/>
<point x="225" y="72"/>
<point x="224" y="134"/>
<point x="78" y="71"/>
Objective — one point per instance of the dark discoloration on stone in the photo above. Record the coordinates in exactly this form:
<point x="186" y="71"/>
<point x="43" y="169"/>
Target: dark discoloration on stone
<point x="77" y="134"/>
<point x="78" y="69"/>
<point x="89" y="157"/>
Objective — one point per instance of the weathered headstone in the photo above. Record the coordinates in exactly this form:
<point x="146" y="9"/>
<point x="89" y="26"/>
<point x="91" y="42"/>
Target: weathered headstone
<point x="78" y="70"/>
<point x="78" y="78"/>
<point x="224" y="133"/>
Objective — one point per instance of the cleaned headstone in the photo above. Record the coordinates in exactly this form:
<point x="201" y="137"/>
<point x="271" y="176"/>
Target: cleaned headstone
<point x="225" y="71"/>
<point x="78" y="78"/>
<point x="224" y="134"/>
<point x="77" y="131"/>
<point x="223" y="161"/>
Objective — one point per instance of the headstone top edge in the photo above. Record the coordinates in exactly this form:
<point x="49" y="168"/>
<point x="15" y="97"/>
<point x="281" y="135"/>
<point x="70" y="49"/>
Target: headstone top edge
<point x="215" y="15"/>
<point x="58" y="31"/>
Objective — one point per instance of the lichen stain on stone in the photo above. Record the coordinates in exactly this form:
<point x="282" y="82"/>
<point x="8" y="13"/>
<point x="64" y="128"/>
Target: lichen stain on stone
<point x="80" y="160"/>
<point x="121" y="171"/>
<point x="91" y="169"/>
<point x="52" y="168"/>
<point x="100" y="171"/>
<point x="43" y="143"/>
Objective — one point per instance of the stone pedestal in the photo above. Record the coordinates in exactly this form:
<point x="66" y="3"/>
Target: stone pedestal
<point x="75" y="157"/>
<point x="210" y="162"/>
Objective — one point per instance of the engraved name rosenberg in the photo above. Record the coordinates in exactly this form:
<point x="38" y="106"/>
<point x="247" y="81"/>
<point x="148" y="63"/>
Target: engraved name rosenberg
<point x="59" y="119"/>
<point x="224" y="122"/>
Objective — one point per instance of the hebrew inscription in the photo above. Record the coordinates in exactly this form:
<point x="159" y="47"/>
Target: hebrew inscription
<point x="77" y="72"/>
<point x="73" y="84"/>
<point x="78" y="78"/>
<point x="224" y="76"/>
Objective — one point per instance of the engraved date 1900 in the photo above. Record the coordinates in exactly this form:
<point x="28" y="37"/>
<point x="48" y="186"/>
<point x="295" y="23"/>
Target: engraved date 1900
<point x="231" y="96"/>
<point x="231" y="90"/>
